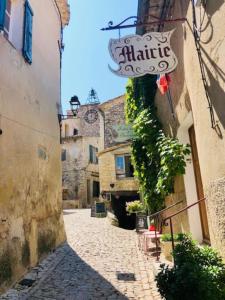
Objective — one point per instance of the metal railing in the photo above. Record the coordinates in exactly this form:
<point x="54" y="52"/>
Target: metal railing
<point x="157" y="217"/>
<point x="158" y="223"/>
<point x="169" y="218"/>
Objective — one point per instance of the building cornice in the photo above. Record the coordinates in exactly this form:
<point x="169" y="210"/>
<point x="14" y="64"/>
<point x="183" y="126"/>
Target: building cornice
<point x="113" y="148"/>
<point x="64" y="10"/>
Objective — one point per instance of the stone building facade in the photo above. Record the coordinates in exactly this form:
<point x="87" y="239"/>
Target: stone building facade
<point x="193" y="121"/>
<point x="31" y="222"/>
<point x="117" y="182"/>
<point x="80" y="145"/>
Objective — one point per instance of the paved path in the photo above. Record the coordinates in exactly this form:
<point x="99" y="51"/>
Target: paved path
<point x="100" y="261"/>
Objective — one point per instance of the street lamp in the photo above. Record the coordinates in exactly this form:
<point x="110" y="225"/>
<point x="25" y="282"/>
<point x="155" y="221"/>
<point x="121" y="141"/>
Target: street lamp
<point x="74" y="106"/>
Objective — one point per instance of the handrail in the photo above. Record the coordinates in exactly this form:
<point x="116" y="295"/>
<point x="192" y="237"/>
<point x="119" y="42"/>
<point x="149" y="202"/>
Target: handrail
<point x="158" y="223"/>
<point x="186" y="208"/>
<point x="165" y="209"/>
<point x="177" y="213"/>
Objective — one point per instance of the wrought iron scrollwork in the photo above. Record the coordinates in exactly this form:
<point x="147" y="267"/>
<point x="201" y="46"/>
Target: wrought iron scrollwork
<point x="111" y="26"/>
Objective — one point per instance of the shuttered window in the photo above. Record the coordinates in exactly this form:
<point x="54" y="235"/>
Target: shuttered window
<point x="7" y="19"/>
<point x="93" y="159"/>
<point x="90" y="154"/>
<point x="2" y="13"/>
<point x="27" y="37"/>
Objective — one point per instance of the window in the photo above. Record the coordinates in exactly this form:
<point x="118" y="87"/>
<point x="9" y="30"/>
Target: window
<point x="124" y="168"/>
<point x="7" y="18"/>
<point x="63" y="155"/>
<point x="93" y="155"/>
<point x="16" y="21"/>
<point x="75" y="131"/>
<point x="27" y="36"/>
<point x="96" y="189"/>
<point x="2" y="14"/>
<point x="5" y="13"/>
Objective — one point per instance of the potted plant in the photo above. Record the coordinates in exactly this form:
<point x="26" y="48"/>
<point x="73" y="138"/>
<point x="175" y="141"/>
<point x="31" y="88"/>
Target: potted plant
<point x="134" y="207"/>
<point x="166" y="244"/>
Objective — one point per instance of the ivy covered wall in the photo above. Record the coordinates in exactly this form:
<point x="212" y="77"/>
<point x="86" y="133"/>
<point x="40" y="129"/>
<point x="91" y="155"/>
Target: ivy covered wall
<point x="157" y="158"/>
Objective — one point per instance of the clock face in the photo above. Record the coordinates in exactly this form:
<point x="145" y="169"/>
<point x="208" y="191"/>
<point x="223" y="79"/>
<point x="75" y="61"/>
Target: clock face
<point x="91" y="116"/>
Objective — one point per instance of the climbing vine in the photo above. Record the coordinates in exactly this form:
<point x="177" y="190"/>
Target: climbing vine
<point x="157" y="158"/>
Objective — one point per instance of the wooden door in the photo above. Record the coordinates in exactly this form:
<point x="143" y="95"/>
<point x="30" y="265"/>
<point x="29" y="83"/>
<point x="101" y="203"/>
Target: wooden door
<point x="199" y="186"/>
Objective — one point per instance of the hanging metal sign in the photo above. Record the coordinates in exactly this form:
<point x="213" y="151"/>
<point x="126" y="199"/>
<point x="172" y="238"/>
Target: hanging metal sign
<point x="139" y="55"/>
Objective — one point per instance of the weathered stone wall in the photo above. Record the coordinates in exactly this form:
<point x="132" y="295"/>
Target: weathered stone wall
<point x="114" y="114"/>
<point x="77" y="169"/>
<point x="89" y="129"/>
<point x="107" y="169"/>
<point x="31" y="221"/>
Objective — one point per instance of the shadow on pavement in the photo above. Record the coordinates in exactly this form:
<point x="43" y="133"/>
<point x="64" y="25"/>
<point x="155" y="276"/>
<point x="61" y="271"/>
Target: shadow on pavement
<point x="74" y="279"/>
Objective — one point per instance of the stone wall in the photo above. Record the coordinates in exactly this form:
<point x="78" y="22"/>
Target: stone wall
<point x="107" y="169"/>
<point x="77" y="169"/>
<point x="31" y="221"/>
<point x="114" y="115"/>
<point x="89" y="129"/>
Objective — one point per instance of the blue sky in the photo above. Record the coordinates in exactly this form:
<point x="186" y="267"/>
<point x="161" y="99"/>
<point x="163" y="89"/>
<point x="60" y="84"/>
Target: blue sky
<point x="86" y="56"/>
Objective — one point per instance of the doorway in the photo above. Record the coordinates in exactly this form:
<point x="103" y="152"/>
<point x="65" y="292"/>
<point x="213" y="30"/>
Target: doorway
<point x="118" y="202"/>
<point x="199" y="186"/>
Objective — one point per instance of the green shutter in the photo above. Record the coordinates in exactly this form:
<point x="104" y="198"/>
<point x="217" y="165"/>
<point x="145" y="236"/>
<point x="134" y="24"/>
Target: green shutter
<point x="27" y="35"/>
<point x="91" y="153"/>
<point x="2" y="13"/>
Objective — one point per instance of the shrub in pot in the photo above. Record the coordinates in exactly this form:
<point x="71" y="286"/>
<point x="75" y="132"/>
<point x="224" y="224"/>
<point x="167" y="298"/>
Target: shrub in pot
<point x="166" y="244"/>
<point x="134" y="207"/>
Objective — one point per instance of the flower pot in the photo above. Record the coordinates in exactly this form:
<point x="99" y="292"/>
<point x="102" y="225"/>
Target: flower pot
<point x="166" y="248"/>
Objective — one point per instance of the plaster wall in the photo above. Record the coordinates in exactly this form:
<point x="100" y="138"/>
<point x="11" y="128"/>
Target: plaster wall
<point x="31" y="221"/>
<point x="210" y="142"/>
<point x="188" y="94"/>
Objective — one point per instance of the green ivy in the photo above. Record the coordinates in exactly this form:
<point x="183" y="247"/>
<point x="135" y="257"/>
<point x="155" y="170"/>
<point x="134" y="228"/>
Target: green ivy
<point x="157" y="158"/>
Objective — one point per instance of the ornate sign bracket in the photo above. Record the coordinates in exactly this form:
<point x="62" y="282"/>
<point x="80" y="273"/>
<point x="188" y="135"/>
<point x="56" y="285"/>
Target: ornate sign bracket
<point x="139" y="23"/>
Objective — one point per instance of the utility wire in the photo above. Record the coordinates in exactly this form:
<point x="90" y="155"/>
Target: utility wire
<point x="29" y="127"/>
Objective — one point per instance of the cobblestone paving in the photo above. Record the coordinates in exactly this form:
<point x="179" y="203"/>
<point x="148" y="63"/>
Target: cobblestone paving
<point x="99" y="261"/>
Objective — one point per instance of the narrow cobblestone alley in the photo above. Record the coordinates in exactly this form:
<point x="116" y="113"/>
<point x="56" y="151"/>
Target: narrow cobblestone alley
<point x="100" y="261"/>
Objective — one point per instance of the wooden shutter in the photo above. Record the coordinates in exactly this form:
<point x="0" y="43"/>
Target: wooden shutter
<point x="96" y="154"/>
<point x="27" y="36"/>
<point x="91" y="153"/>
<point x="129" y="170"/>
<point x="2" y="13"/>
